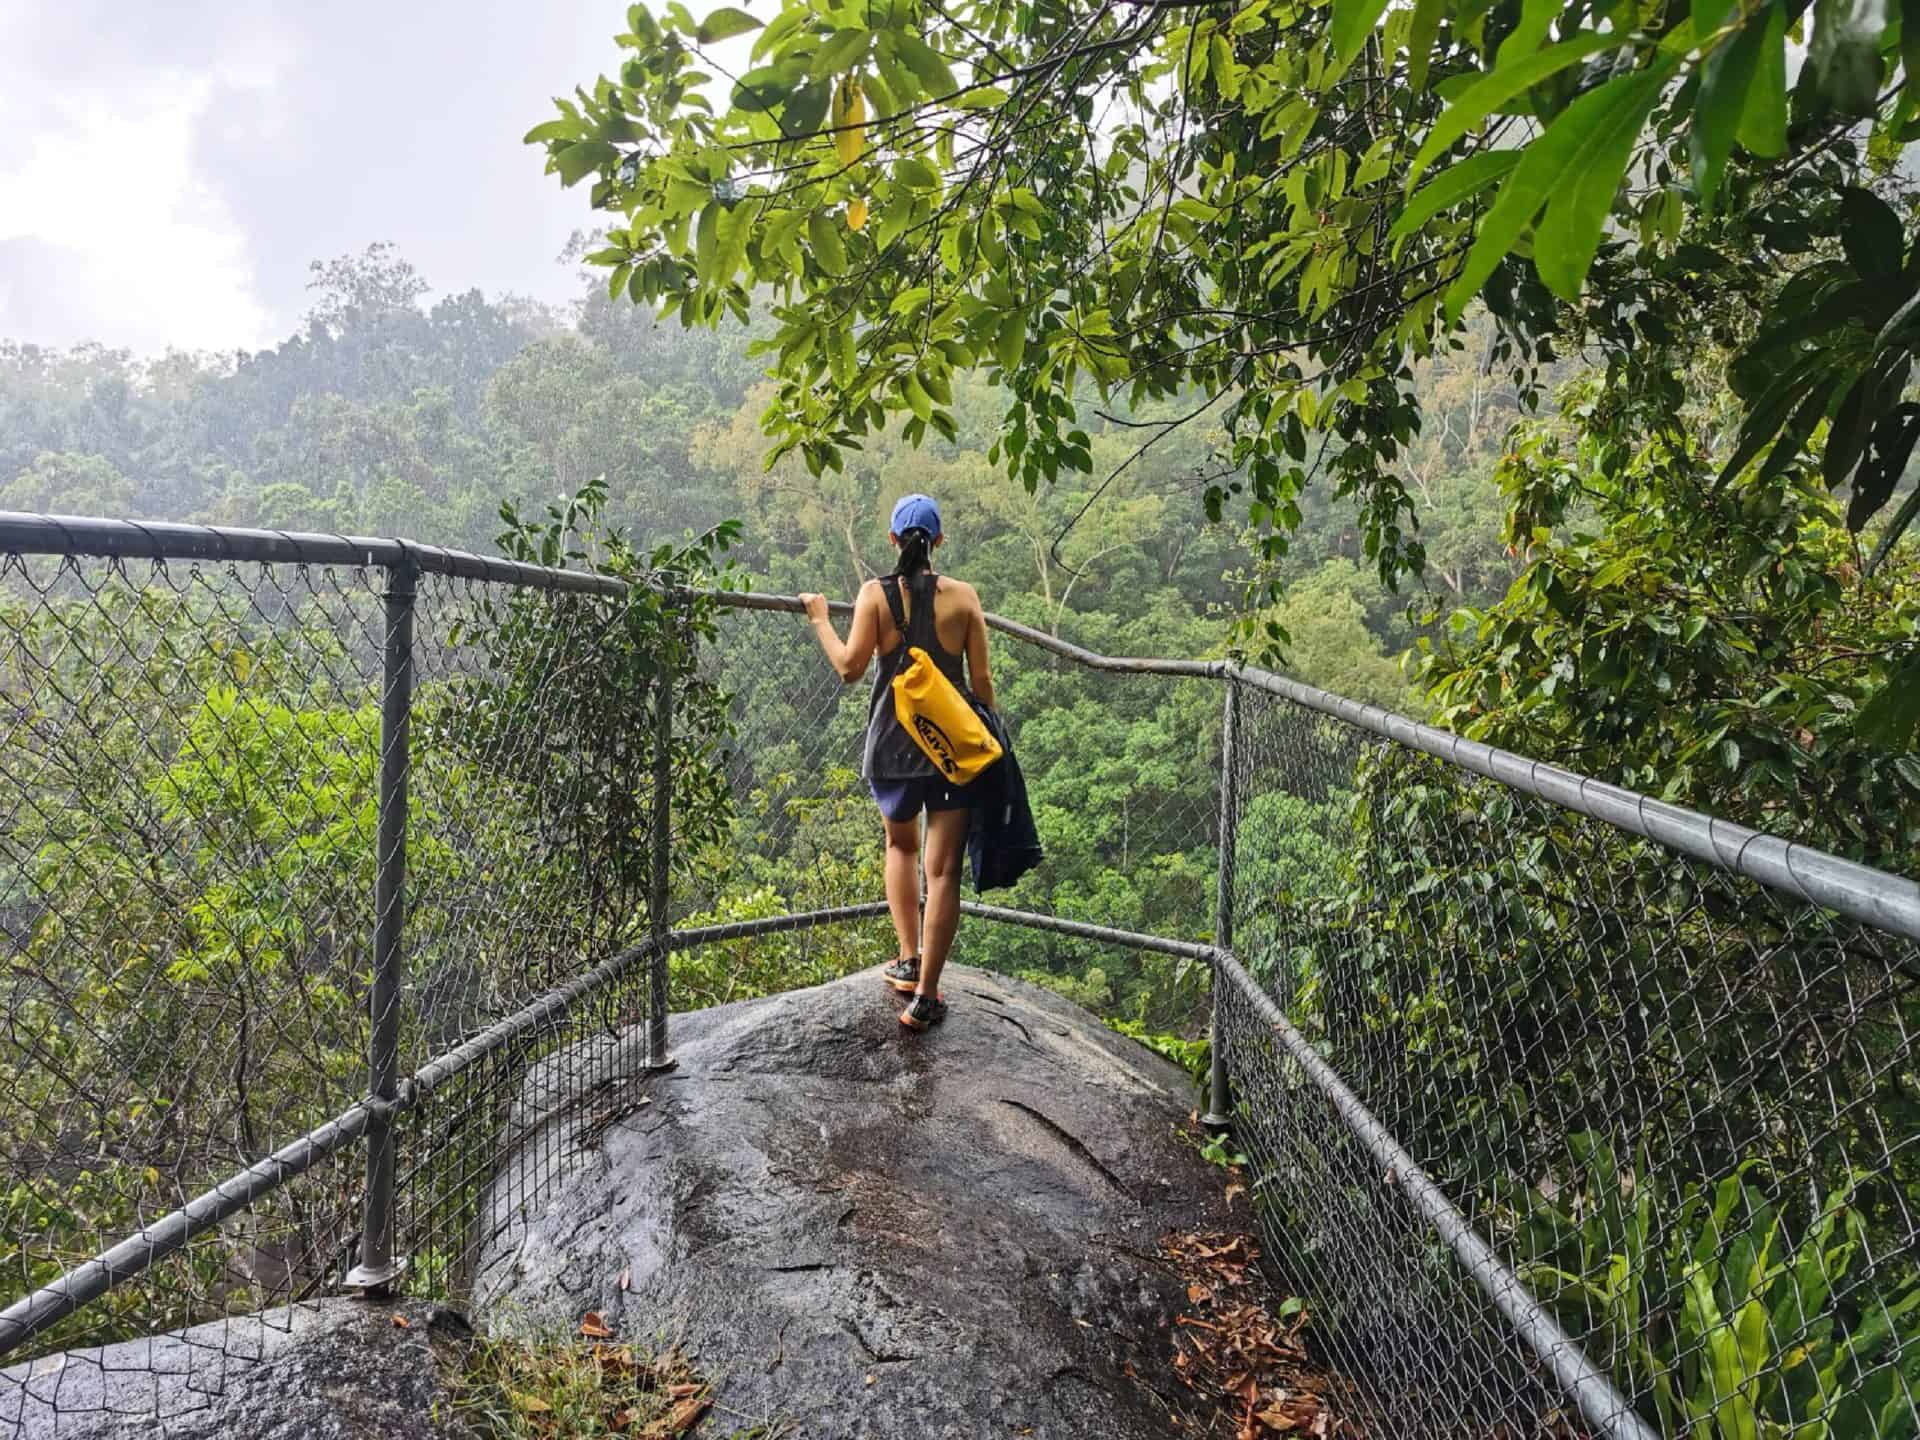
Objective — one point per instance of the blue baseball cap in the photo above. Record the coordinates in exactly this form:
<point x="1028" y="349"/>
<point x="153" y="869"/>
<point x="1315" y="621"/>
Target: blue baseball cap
<point x="912" y="512"/>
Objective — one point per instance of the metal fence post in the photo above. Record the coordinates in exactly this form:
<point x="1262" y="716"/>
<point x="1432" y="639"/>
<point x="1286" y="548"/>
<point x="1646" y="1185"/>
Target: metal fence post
<point x="660" y="874"/>
<point x="379" y="1267"/>
<point x="1219" y="1116"/>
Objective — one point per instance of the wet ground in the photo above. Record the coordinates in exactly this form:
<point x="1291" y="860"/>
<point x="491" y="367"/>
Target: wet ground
<point x="860" y="1231"/>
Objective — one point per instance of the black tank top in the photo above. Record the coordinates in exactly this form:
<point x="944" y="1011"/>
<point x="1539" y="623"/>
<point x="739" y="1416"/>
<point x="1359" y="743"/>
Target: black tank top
<point x="891" y="753"/>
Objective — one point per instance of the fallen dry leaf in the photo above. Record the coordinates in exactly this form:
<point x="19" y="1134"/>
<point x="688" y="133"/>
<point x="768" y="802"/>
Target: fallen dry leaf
<point x="1246" y="1360"/>
<point x="401" y="1322"/>
<point x="617" y="1358"/>
<point x="531" y="1404"/>
<point x="681" y="1392"/>
<point x="1233" y="1190"/>
<point x="687" y="1414"/>
<point x="626" y="1277"/>
<point x="593" y="1327"/>
<point x="872" y="1378"/>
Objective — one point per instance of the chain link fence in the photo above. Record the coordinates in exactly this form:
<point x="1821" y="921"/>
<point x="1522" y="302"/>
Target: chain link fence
<point x="1678" y="1105"/>
<point x="1567" y="1114"/>
<point x="222" y="754"/>
<point x="1123" y="773"/>
<point x="187" y="769"/>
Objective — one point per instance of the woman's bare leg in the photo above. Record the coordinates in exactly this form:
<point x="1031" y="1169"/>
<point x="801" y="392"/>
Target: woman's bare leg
<point x="903" y="882"/>
<point x="946" y="852"/>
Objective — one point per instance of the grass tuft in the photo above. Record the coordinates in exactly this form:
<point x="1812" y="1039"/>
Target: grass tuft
<point x="542" y="1389"/>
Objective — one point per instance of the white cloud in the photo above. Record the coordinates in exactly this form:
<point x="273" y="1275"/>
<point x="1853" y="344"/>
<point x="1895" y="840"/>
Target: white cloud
<point x="106" y="230"/>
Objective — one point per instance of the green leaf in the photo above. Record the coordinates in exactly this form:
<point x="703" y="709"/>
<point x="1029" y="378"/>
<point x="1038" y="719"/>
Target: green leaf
<point x="1574" y="170"/>
<point x="1536" y="18"/>
<point x="1895" y="321"/>
<point x="1763" y="123"/>
<point x="917" y="398"/>
<point x="765" y="88"/>
<point x="1891" y="719"/>
<point x="907" y="302"/>
<point x="1725" y="82"/>
<point x="1421" y="39"/>
<point x="926" y="63"/>
<point x="1708" y="17"/>
<point x="1493" y="90"/>
<point x="828" y="250"/>
<point x="1451" y="186"/>
<point x="1353" y="21"/>
<point x="1226" y="72"/>
<point x="806" y="108"/>
<point x="553" y="130"/>
<point x="1767" y="413"/>
<point x="1871" y="234"/>
<point x="842" y="357"/>
<point x="706" y="242"/>
<point x="840" y="53"/>
<point x="1910" y="51"/>
<point x="988" y="97"/>
<point x="1893" y="438"/>
<point x="724" y="24"/>
<point x="915" y="174"/>
<point x="1010" y="344"/>
<point x="576" y="162"/>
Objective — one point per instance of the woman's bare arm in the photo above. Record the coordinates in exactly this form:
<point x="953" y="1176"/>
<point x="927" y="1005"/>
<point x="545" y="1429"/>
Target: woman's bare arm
<point x="979" y="672"/>
<point x="850" y="657"/>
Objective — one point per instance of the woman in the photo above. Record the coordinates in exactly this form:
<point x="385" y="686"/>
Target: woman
<point x="903" y="780"/>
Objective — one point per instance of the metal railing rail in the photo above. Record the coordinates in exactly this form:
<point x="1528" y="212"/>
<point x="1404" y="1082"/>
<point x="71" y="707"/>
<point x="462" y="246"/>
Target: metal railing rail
<point x="79" y="535"/>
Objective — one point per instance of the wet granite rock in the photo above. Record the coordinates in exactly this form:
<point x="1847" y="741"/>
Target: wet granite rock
<point x="337" y="1369"/>
<point x="863" y="1232"/>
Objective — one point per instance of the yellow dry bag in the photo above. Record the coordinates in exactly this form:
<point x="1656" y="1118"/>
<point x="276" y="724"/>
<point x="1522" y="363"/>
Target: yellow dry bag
<point x="941" y="720"/>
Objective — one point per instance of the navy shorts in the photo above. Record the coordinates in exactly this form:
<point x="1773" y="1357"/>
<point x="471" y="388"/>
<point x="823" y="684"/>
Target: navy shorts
<point x="905" y="799"/>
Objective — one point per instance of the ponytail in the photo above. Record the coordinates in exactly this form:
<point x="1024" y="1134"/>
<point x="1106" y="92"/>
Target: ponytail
<point x="916" y="552"/>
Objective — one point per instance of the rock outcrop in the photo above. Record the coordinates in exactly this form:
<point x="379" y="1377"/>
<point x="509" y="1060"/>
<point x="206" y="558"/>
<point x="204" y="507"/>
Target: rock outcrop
<point x="863" y="1232"/>
<point x="339" y="1369"/>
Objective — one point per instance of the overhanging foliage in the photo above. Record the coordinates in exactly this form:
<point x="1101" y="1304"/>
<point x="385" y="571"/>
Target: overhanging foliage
<point x="1268" y="206"/>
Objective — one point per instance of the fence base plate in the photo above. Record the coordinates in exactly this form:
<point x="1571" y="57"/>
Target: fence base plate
<point x="1215" y="1123"/>
<point x="375" y="1277"/>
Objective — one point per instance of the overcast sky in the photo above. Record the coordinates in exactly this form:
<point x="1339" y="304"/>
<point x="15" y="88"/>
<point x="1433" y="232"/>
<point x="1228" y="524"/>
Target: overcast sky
<point x="169" y="167"/>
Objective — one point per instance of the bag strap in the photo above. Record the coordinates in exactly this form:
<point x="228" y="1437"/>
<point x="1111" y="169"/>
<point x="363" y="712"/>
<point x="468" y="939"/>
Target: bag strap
<point x="890" y="587"/>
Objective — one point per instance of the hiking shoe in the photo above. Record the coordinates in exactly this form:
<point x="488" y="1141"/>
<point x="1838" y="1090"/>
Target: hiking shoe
<point x="923" y="1011"/>
<point x="903" y="974"/>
